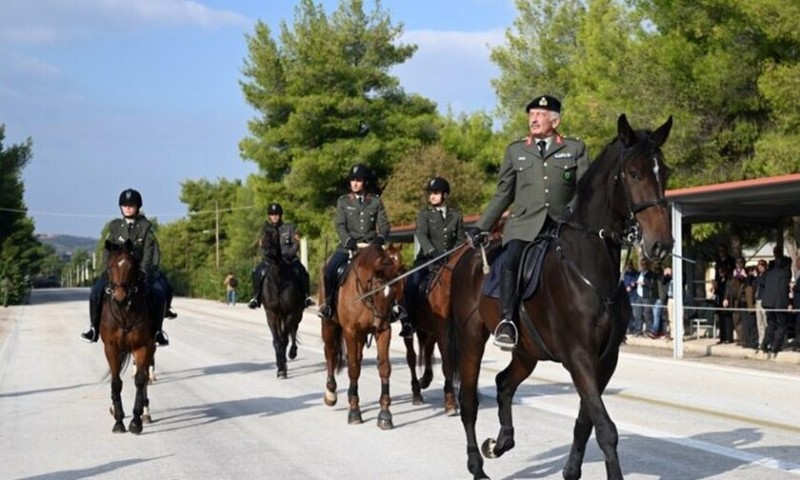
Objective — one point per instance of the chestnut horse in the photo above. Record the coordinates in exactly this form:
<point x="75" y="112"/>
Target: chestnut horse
<point x="125" y="331"/>
<point x="579" y="313"/>
<point x="431" y="318"/>
<point x="363" y="308"/>
<point x="283" y="300"/>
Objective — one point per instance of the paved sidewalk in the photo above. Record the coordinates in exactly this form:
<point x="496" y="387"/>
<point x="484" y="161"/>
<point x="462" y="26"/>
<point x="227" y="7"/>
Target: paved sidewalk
<point x="709" y="347"/>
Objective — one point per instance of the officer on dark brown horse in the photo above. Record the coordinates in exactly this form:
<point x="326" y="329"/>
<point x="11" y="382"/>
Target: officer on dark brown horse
<point x="538" y="179"/>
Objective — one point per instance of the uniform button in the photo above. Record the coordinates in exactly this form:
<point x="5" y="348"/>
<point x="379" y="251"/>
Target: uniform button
<point x="546" y="204"/>
<point x="545" y="164"/>
<point x="546" y="190"/>
<point x="545" y="177"/>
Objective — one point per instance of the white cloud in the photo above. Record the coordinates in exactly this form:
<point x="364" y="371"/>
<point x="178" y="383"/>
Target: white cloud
<point x="48" y="21"/>
<point x="452" y="68"/>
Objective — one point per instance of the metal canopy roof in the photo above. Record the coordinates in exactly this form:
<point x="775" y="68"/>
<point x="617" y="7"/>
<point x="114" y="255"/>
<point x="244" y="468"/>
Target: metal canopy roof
<point x="763" y="200"/>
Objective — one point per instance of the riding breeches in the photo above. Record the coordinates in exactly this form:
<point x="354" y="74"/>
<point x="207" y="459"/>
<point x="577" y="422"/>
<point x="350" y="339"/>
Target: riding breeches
<point x="338" y="259"/>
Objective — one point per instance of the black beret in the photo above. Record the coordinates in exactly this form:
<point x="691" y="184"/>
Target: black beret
<point x="545" y="102"/>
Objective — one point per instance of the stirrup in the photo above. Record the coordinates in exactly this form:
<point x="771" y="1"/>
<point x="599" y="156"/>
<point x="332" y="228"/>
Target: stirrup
<point x="325" y="311"/>
<point x="504" y="340"/>
<point x="309" y="302"/>
<point x="407" y="330"/>
<point x="170" y="314"/>
<point x="162" y="339"/>
<point x="254" y="303"/>
<point x="90" y="336"/>
<point x="399" y="313"/>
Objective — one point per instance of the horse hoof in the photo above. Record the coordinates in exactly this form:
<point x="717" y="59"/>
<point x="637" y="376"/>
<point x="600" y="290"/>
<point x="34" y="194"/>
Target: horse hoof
<point x="282" y="374"/>
<point x="146" y="418"/>
<point x="425" y="381"/>
<point x="417" y="400"/>
<point x="330" y="398"/>
<point x="292" y="352"/>
<point x="118" y="428"/>
<point x="354" y="417"/>
<point x="451" y="411"/>
<point x="135" y="426"/>
<point x="488" y="448"/>
<point x="385" y="420"/>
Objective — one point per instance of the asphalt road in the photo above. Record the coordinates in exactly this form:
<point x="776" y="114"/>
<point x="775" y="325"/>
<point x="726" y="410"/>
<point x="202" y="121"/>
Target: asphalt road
<point x="220" y="412"/>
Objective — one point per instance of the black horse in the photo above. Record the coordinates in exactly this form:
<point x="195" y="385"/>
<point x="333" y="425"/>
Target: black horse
<point x="579" y="313"/>
<point x="283" y="300"/>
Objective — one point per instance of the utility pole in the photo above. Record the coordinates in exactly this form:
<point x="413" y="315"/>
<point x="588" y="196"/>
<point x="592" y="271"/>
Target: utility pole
<point x="216" y="234"/>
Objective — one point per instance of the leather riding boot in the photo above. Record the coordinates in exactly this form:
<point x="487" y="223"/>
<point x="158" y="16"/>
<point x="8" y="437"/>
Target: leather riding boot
<point x="93" y="333"/>
<point x="505" y="335"/>
<point x="161" y="336"/>
<point x="325" y="311"/>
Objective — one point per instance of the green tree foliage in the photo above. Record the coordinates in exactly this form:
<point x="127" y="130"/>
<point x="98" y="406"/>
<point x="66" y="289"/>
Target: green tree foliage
<point x="20" y="252"/>
<point x="406" y="191"/>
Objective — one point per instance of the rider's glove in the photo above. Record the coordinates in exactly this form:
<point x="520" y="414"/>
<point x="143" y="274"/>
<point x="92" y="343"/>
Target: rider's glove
<point x="476" y="236"/>
<point x="379" y="241"/>
<point x="350" y="244"/>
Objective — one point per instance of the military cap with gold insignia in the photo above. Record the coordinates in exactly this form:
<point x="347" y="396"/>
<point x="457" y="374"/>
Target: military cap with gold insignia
<point x="545" y="102"/>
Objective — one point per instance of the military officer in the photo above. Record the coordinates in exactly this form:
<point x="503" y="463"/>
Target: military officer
<point x="360" y="218"/>
<point x="439" y="227"/>
<point x="135" y="227"/>
<point x="290" y="245"/>
<point x="538" y="179"/>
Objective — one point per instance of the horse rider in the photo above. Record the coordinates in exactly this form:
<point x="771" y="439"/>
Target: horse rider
<point x="133" y="226"/>
<point x="290" y="245"/>
<point x="360" y="218"/>
<point x="538" y="179"/>
<point x="439" y="227"/>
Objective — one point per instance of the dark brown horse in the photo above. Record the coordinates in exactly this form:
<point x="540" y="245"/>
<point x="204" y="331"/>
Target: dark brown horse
<point x="358" y="315"/>
<point x="579" y="313"/>
<point x="431" y="317"/>
<point x="283" y="300"/>
<point x="125" y="331"/>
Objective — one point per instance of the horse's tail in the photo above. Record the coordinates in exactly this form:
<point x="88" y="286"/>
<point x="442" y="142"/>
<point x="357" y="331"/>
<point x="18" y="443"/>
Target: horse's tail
<point x="338" y="339"/>
<point x="124" y="361"/>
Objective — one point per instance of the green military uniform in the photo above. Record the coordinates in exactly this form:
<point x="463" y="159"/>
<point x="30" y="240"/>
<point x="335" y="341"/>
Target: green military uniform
<point x="362" y="220"/>
<point x="437" y="231"/>
<point x="140" y="233"/>
<point x="549" y="183"/>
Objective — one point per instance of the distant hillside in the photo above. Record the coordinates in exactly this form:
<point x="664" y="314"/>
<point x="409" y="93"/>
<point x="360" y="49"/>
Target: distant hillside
<point x="68" y="244"/>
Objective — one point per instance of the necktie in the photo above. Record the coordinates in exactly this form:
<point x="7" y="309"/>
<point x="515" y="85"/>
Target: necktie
<point x="542" y="147"/>
<point x="441" y="212"/>
<point x="360" y="199"/>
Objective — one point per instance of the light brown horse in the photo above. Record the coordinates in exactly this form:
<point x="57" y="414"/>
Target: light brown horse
<point x="359" y="314"/>
<point x="125" y="331"/>
<point x="431" y="318"/>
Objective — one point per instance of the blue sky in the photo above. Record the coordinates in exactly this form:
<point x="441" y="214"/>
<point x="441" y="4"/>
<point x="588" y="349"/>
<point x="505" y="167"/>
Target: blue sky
<point x="145" y="94"/>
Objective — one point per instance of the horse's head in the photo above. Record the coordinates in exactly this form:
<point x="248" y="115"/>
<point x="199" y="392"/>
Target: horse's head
<point x="374" y="268"/>
<point x="122" y="270"/>
<point x="271" y="241"/>
<point x="644" y="178"/>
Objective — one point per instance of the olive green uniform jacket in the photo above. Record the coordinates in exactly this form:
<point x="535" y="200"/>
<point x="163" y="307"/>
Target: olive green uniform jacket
<point x="363" y="222"/>
<point x="437" y="234"/>
<point x="288" y="238"/>
<point x="140" y="232"/>
<point x="535" y="187"/>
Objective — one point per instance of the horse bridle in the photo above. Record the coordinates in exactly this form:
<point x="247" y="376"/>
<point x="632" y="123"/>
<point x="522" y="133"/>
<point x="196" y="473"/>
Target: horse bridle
<point x="632" y="230"/>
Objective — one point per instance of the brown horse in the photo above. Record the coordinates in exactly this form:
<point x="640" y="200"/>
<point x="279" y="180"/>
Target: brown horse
<point x="125" y="331"/>
<point x="579" y="313"/>
<point x="431" y="318"/>
<point x="283" y="300"/>
<point x="359" y="314"/>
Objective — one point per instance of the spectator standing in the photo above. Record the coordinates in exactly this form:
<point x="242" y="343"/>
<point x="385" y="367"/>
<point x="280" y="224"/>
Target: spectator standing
<point x="749" y="329"/>
<point x="629" y="277"/>
<point x="761" y="314"/>
<point x="647" y="290"/>
<point x="738" y="281"/>
<point x="230" y="282"/>
<point x="775" y="299"/>
<point x="659" y="303"/>
<point x="723" y="260"/>
<point x="724" y="299"/>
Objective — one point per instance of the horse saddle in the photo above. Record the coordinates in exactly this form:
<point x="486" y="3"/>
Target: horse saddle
<point x="529" y="273"/>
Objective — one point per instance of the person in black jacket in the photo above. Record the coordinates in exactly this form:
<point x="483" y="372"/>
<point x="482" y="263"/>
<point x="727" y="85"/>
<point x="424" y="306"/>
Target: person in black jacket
<point x="774" y="299"/>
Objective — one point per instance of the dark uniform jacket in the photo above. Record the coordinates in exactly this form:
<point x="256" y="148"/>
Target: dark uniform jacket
<point x="140" y="232"/>
<point x="776" y="287"/>
<point x="437" y="234"/>
<point x="363" y="222"/>
<point x="288" y="238"/>
<point x="537" y="187"/>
